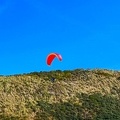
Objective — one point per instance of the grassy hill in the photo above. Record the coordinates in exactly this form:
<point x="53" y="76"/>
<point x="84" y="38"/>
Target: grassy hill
<point x="73" y="95"/>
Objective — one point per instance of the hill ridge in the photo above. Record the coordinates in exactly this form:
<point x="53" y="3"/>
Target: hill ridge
<point x="29" y="96"/>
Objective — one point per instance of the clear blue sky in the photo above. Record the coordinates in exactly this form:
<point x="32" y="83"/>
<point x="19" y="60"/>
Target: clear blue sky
<point x="85" y="32"/>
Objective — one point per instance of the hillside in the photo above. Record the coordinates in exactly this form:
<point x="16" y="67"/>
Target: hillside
<point x="73" y="95"/>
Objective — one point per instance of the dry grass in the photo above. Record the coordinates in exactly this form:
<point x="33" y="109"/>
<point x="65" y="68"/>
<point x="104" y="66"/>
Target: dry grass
<point x="20" y="94"/>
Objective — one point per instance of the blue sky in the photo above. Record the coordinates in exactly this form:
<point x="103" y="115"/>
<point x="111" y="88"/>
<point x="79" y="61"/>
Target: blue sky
<point x="85" y="32"/>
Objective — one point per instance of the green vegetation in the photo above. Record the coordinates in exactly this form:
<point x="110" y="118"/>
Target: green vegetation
<point x="74" y="95"/>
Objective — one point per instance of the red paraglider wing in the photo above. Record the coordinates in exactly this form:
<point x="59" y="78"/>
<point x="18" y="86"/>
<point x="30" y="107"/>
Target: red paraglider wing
<point x="51" y="57"/>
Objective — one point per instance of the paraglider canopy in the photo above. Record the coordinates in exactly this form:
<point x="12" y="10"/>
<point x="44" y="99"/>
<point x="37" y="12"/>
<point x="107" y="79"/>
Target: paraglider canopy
<point x="52" y="56"/>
